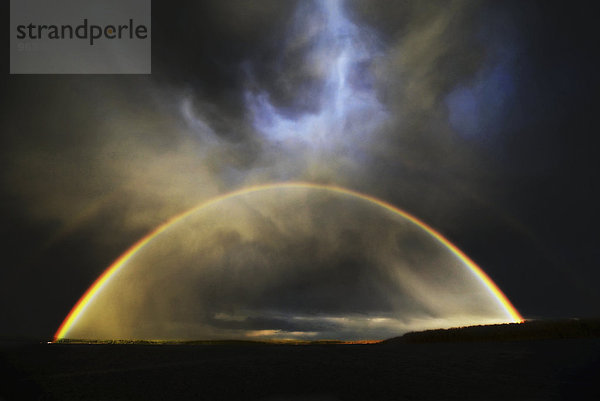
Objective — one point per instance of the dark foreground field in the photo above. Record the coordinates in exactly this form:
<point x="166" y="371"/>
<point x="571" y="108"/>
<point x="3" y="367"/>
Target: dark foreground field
<point x="566" y="369"/>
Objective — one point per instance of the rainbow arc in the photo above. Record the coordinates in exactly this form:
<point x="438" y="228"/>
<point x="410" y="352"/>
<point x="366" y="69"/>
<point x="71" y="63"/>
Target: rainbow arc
<point x="118" y="264"/>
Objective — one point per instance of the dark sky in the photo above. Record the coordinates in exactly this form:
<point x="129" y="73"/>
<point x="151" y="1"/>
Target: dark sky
<point x="479" y="118"/>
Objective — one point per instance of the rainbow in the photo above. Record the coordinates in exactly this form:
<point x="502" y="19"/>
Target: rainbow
<point x="104" y="278"/>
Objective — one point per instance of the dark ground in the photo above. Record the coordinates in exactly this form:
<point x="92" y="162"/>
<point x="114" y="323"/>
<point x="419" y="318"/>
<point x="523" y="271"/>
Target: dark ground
<point x="566" y="369"/>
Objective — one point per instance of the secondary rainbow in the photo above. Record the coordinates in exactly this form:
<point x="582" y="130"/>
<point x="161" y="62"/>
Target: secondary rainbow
<point x="104" y="278"/>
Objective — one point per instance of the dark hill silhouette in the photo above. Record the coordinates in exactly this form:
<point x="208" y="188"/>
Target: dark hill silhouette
<point x="529" y="330"/>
